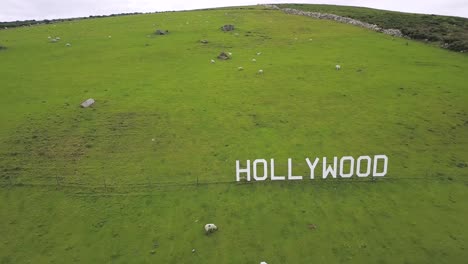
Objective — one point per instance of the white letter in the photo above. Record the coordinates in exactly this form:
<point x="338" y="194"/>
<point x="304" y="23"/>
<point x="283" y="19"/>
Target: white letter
<point x="329" y="169"/>
<point x="312" y="167"/>
<point x="265" y="169"/>
<point x="351" y="168"/>
<point x="273" y="177"/>
<point x="376" y="160"/>
<point x="290" y="176"/>
<point x="239" y="170"/>
<point x="358" y="166"/>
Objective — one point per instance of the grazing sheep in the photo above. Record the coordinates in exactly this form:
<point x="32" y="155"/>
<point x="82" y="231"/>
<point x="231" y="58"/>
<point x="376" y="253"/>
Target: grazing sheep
<point x="212" y="61"/>
<point x="338" y="67"/>
<point x="49" y="37"/>
<point x="68" y="45"/>
<point x="57" y="38"/>
<point x="109" y="36"/>
<point x="53" y="40"/>
<point x="230" y="53"/>
<point x="254" y="60"/>
<point x="240" y="68"/>
<point x="259" y="53"/>
<point x="210" y="228"/>
<point x="260" y="71"/>
<point x="263" y="262"/>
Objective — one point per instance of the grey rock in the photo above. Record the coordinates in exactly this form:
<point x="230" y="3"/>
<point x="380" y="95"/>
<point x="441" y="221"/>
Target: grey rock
<point x="227" y="27"/>
<point x="224" y="56"/>
<point x="161" y="32"/>
<point x="88" y="103"/>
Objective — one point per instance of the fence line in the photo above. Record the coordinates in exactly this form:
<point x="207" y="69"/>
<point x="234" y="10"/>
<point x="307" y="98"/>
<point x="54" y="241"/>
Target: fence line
<point x="129" y="187"/>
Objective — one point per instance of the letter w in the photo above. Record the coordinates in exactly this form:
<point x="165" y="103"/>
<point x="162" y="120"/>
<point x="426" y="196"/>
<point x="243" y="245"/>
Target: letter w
<point x="329" y="169"/>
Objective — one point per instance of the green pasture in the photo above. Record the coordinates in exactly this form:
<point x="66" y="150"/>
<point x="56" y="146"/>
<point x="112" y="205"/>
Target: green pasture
<point x="117" y="182"/>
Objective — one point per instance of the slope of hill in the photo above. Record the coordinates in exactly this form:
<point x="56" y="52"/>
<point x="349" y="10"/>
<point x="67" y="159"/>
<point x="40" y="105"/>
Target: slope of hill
<point x="118" y="182"/>
<point x="449" y="32"/>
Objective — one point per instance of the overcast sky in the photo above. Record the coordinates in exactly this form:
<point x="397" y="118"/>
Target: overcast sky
<point x="11" y="10"/>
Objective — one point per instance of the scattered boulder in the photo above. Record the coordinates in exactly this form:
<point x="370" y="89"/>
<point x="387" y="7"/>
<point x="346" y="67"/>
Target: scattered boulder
<point x="224" y="56"/>
<point x="227" y="28"/>
<point x="88" y="103"/>
<point x="161" y="32"/>
<point x="210" y="228"/>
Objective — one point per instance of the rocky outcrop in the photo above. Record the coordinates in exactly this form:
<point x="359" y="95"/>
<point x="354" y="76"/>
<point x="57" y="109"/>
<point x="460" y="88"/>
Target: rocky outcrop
<point x="224" y="56"/>
<point x="346" y="20"/>
<point x="227" y="28"/>
<point x="161" y="32"/>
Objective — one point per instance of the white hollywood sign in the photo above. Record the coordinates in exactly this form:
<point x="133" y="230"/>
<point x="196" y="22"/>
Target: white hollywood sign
<point x="362" y="167"/>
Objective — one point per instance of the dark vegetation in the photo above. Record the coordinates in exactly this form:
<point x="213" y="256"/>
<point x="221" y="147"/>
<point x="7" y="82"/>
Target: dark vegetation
<point x="449" y="32"/>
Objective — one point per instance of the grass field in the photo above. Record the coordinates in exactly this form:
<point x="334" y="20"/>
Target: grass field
<point x="92" y="186"/>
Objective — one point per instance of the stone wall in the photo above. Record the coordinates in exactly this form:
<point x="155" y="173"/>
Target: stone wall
<point x="346" y="20"/>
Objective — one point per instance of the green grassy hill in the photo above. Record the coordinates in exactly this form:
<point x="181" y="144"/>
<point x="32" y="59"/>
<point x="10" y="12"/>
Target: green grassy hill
<point x="117" y="183"/>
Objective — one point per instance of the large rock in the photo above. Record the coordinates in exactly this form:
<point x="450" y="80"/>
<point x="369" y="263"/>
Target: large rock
<point x="161" y="32"/>
<point x="210" y="228"/>
<point x="88" y="103"/>
<point x="227" y="28"/>
<point x="224" y="56"/>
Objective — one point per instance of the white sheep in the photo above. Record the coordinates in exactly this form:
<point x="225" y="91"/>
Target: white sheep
<point x="260" y="71"/>
<point x="68" y="45"/>
<point x="57" y="38"/>
<point x="212" y="61"/>
<point x="210" y="228"/>
<point x="254" y="60"/>
<point x="259" y="53"/>
<point x="230" y="53"/>
<point x="240" y="68"/>
<point x="338" y="67"/>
